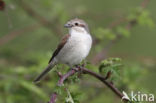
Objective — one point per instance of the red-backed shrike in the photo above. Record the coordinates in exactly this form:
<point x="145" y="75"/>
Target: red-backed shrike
<point x="73" y="48"/>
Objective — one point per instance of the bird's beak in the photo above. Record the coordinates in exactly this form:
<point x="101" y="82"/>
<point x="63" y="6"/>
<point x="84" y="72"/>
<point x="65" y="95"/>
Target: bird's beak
<point x="67" y="25"/>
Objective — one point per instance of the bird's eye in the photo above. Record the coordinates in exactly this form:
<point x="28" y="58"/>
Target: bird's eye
<point x="76" y="24"/>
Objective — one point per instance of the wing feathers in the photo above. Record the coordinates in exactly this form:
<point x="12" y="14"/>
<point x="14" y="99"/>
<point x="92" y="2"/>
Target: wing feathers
<point x="60" y="46"/>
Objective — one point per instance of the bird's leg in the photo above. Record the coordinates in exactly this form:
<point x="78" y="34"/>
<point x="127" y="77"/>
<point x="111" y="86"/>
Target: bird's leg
<point x="79" y="67"/>
<point x="84" y="63"/>
<point x="75" y="68"/>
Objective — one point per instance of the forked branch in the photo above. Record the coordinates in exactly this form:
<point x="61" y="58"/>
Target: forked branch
<point x="91" y="73"/>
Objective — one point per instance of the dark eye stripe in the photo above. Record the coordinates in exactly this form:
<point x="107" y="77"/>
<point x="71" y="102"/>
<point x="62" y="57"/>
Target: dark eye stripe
<point x="81" y="25"/>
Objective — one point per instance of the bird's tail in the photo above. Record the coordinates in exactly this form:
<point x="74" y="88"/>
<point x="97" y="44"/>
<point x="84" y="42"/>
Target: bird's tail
<point x="46" y="70"/>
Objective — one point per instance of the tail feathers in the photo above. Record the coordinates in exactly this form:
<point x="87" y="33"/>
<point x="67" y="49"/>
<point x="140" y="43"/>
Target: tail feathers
<point x="46" y="70"/>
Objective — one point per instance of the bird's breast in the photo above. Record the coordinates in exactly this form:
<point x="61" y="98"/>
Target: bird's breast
<point x="81" y="42"/>
<point x="76" y="49"/>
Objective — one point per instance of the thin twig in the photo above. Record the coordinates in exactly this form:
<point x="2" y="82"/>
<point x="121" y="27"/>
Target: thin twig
<point x="103" y="79"/>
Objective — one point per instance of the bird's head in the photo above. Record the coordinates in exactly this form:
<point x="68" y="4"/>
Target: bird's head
<point x="78" y="25"/>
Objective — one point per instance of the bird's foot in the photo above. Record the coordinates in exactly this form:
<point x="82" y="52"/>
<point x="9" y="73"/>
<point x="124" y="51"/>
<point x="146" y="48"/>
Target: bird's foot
<point x="79" y="69"/>
<point x="84" y="63"/>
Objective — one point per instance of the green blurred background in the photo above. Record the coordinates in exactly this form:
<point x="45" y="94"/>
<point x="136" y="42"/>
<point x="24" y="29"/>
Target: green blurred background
<point x="30" y="31"/>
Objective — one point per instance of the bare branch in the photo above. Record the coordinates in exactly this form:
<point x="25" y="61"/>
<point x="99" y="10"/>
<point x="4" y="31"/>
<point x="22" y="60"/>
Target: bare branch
<point x="91" y="73"/>
<point x="53" y="98"/>
<point x="64" y="77"/>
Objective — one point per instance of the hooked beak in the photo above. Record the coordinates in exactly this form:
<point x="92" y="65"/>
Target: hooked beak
<point x="67" y="25"/>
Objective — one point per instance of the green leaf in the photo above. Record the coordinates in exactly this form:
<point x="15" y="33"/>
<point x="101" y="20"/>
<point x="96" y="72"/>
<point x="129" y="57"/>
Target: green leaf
<point x="123" y="31"/>
<point x="59" y="89"/>
<point x="145" y="19"/>
<point x="142" y="17"/>
<point x="72" y="97"/>
<point x="112" y="65"/>
<point x="105" y="34"/>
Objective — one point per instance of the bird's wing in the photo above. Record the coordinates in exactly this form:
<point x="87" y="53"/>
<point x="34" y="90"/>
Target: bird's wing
<point x="52" y="64"/>
<point x="60" y="46"/>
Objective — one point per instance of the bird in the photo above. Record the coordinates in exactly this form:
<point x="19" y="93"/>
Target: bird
<point x="73" y="48"/>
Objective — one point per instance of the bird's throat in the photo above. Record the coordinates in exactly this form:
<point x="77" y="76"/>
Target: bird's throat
<point x="77" y="30"/>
